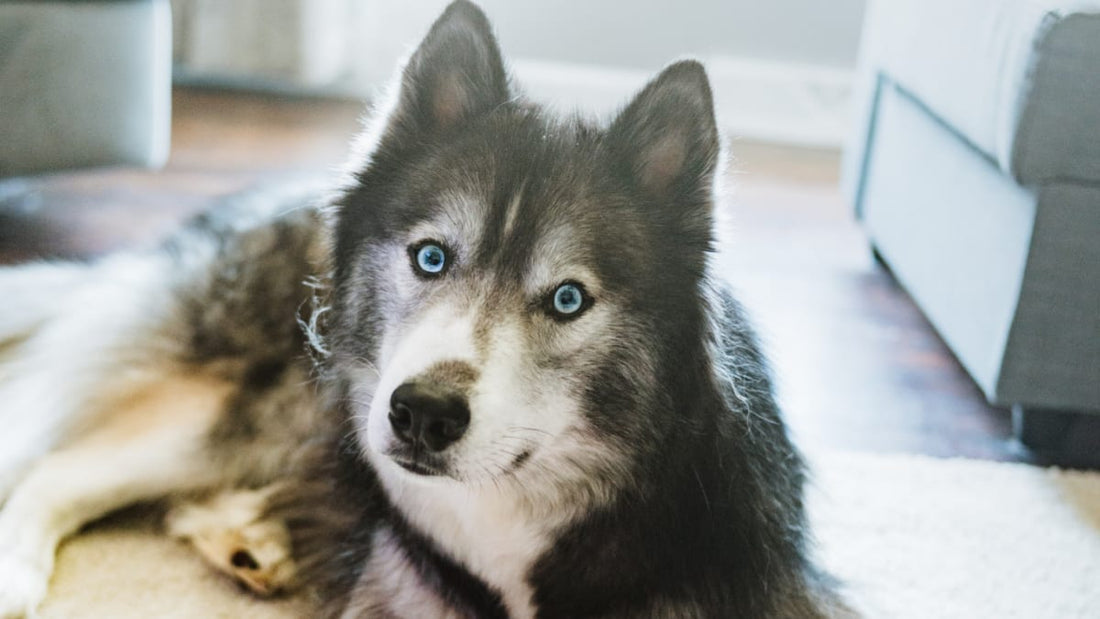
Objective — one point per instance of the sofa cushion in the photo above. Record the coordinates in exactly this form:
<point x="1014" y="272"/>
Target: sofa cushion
<point x="1018" y="79"/>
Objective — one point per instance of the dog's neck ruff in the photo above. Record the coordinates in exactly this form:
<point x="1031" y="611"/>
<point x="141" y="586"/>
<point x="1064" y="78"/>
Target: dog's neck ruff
<point x="452" y="582"/>
<point x="479" y="539"/>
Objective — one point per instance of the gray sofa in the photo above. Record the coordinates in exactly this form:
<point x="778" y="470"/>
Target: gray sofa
<point x="975" y="172"/>
<point x="84" y="83"/>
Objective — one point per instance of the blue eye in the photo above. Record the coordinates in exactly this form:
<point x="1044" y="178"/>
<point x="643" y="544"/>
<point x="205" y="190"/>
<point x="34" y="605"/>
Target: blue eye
<point x="568" y="300"/>
<point x="431" y="259"/>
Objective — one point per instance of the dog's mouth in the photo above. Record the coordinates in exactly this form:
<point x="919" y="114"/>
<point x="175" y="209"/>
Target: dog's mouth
<point x="418" y="468"/>
<point x="419" y="463"/>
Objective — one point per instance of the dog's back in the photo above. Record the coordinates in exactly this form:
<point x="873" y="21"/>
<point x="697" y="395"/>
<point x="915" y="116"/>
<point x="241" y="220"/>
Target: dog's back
<point x="150" y="374"/>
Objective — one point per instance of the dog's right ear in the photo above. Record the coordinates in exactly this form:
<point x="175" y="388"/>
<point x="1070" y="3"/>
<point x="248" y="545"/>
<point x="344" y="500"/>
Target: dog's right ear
<point x="456" y="74"/>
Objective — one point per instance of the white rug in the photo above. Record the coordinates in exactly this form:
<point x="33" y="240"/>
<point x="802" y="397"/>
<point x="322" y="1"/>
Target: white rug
<point x="921" y="538"/>
<point x="913" y="537"/>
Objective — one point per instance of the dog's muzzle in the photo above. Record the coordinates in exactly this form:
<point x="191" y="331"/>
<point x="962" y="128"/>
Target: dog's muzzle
<point x="428" y="417"/>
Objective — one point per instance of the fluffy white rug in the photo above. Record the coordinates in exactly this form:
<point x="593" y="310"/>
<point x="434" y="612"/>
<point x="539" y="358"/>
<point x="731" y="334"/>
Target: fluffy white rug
<point x="919" y="538"/>
<point x="913" y="537"/>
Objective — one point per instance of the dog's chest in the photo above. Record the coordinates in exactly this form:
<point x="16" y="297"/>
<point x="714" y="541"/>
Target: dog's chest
<point x="489" y="536"/>
<point x="392" y="586"/>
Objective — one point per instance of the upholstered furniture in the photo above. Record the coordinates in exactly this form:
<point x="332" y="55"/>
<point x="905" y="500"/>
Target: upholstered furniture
<point x="975" y="171"/>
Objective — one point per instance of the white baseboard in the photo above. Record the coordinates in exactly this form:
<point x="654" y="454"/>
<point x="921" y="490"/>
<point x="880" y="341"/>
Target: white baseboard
<point x="755" y="99"/>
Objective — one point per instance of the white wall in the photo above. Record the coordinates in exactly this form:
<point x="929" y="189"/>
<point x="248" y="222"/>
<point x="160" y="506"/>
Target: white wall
<point x="642" y="34"/>
<point x="781" y="68"/>
<point x="647" y="33"/>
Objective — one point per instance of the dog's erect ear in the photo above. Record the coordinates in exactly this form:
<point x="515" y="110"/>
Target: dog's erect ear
<point x="455" y="74"/>
<point x="667" y="136"/>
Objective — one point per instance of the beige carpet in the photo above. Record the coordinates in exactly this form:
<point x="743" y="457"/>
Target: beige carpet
<point x="914" y="538"/>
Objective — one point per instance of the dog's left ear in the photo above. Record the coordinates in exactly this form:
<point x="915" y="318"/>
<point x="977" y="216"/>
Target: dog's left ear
<point x="667" y="137"/>
<point x="455" y="74"/>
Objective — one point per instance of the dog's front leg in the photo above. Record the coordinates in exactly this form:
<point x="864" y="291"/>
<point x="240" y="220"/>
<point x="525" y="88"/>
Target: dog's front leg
<point x="150" y="447"/>
<point x="234" y="533"/>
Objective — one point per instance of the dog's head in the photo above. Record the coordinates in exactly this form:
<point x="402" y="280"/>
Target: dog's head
<point x="508" y="285"/>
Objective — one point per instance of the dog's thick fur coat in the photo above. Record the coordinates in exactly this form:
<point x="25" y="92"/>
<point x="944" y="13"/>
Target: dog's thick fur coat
<point x="620" y="457"/>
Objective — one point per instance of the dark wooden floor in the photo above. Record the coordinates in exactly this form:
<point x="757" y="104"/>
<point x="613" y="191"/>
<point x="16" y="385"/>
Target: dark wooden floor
<point x="859" y="367"/>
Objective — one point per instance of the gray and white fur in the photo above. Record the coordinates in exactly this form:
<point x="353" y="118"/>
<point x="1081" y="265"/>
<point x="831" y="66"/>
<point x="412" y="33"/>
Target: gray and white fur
<point x="491" y="374"/>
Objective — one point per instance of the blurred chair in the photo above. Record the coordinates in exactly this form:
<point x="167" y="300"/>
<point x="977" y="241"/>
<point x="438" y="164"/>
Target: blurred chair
<point x="976" y="174"/>
<point x="84" y="83"/>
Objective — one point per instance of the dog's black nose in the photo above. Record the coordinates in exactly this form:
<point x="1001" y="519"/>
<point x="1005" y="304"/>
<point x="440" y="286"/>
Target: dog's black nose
<point x="428" y="414"/>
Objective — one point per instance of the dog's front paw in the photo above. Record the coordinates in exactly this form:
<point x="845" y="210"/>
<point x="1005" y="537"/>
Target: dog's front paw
<point x="23" y="586"/>
<point x="232" y="533"/>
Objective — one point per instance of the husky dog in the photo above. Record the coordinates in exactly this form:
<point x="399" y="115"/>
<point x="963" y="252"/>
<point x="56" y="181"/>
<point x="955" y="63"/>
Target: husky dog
<point x="524" y="394"/>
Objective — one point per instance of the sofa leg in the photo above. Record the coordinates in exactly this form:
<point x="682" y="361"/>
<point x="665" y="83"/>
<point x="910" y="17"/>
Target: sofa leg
<point x="1041" y="430"/>
<point x="1059" y="437"/>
